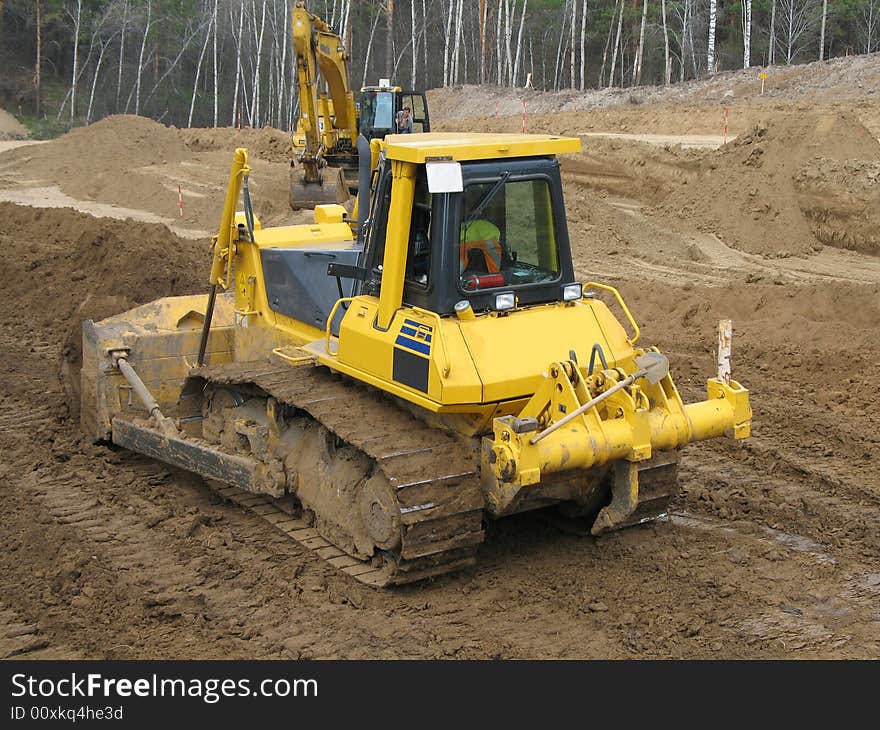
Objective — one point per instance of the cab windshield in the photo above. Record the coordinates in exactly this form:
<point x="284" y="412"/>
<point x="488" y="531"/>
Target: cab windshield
<point x="377" y="111"/>
<point x="507" y="237"/>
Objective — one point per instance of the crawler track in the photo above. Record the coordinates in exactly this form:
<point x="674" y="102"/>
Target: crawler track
<point x="434" y="474"/>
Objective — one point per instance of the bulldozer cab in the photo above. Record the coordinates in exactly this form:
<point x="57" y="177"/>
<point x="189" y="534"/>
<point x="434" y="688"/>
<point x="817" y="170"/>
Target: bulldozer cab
<point x="380" y="106"/>
<point x="501" y="240"/>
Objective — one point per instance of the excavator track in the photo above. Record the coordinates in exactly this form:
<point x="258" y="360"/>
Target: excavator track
<point x="440" y="514"/>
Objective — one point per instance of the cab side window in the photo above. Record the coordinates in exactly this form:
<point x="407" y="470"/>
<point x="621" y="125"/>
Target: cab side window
<point x="418" y="258"/>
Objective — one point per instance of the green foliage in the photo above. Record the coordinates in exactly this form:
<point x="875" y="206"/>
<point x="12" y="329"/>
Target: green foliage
<point x="45" y="127"/>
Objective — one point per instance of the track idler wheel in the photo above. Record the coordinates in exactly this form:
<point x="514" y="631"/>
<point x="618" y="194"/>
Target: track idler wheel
<point x="381" y="513"/>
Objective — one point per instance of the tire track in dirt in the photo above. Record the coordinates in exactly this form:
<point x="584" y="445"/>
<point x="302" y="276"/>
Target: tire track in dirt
<point x="147" y="566"/>
<point x="23" y="640"/>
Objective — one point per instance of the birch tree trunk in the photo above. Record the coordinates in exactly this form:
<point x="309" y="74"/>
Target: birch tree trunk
<point x="498" y="59"/>
<point x="822" y="33"/>
<point x="685" y="28"/>
<point x="238" y="40"/>
<point x="287" y="89"/>
<point x="254" y="112"/>
<point x="710" y="52"/>
<point x="572" y="60"/>
<point x="216" y="93"/>
<point x="121" y="52"/>
<point x="637" y="66"/>
<point x="370" y="47"/>
<point x="75" y="58"/>
<point x="104" y="45"/>
<point x="667" y="70"/>
<point x="415" y="50"/>
<point x="691" y="43"/>
<point x="446" y="57"/>
<point x="457" y="44"/>
<point x="389" y="38"/>
<point x="38" y="65"/>
<point x="559" y="47"/>
<point x="522" y="19"/>
<point x="192" y="103"/>
<point x="789" y="44"/>
<point x="583" y="68"/>
<point x="140" y="68"/>
<point x="616" y="45"/>
<point x="425" y="42"/>
<point x="772" y="52"/>
<point x="508" y="23"/>
<point x="482" y="20"/>
<point x="747" y="33"/>
<point x="607" y="46"/>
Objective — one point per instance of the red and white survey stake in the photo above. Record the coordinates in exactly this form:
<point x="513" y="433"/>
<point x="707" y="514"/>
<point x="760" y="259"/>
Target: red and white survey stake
<point x="524" y="116"/>
<point x="725" y="126"/>
<point x="180" y="199"/>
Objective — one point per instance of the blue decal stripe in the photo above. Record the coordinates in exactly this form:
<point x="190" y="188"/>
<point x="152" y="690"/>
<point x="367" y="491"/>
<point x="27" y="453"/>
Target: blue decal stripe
<point x="413" y="323"/>
<point x="414" y="345"/>
<point x="410" y="332"/>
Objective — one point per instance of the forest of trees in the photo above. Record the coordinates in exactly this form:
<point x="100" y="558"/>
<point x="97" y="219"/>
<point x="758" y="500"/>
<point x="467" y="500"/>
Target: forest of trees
<point x="204" y="62"/>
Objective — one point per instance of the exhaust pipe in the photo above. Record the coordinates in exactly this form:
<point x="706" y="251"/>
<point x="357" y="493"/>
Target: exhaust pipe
<point x="363" y="200"/>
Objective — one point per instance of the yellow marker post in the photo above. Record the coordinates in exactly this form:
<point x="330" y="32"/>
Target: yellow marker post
<point x="763" y="77"/>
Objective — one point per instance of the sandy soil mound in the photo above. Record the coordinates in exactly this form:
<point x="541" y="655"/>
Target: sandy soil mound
<point x="266" y="144"/>
<point x="81" y="255"/>
<point x="745" y="193"/>
<point x="841" y="201"/>
<point x="137" y="163"/>
<point x="840" y="79"/>
<point x="79" y="267"/>
<point x="10" y="127"/>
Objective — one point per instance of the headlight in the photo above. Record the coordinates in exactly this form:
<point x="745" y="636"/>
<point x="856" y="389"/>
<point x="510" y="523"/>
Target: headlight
<point x="505" y="301"/>
<point x="571" y="292"/>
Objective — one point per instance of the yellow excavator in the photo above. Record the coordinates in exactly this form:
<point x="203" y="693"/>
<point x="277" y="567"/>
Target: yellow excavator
<point x="378" y="389"/>
<point x="325" y="142"/>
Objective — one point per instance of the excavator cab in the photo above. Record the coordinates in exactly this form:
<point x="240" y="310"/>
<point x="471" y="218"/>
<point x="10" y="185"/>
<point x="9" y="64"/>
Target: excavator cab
<point x="380" y="105"/>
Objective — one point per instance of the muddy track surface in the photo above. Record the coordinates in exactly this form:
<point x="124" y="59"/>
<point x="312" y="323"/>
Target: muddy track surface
<point x="773" y="549"/>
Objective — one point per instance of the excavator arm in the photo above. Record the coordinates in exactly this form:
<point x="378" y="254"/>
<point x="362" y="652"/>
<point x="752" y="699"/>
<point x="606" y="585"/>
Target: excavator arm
<point x="303" y="46"/>
<point x="333" y="62"/>
<point x="318" y="48"/>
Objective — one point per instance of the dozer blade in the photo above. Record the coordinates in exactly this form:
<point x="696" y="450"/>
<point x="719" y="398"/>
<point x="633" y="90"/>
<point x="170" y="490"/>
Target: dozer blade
<point x="332" y="188"/>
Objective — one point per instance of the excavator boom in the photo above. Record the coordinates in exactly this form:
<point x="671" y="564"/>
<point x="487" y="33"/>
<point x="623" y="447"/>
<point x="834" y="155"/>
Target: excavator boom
<point x="325" y="125"/>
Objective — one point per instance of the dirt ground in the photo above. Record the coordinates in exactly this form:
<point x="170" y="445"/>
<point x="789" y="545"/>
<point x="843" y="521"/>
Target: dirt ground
<point x="773" y="549"/>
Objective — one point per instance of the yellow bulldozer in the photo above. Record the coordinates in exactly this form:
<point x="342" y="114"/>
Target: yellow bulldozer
<point x="381" y="388"/>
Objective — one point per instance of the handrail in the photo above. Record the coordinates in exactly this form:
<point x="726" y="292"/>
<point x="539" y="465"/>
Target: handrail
<point x="327" y="334"/>
<point x="604" y="287"/>
<point x="439" y="330"/>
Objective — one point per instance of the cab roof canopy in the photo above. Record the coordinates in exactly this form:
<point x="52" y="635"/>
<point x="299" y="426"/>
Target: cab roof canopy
<point x="461" y="146"/>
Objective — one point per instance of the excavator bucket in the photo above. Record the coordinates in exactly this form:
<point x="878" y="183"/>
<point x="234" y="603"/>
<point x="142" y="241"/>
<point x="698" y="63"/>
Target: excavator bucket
<point x="331" y="188"/>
